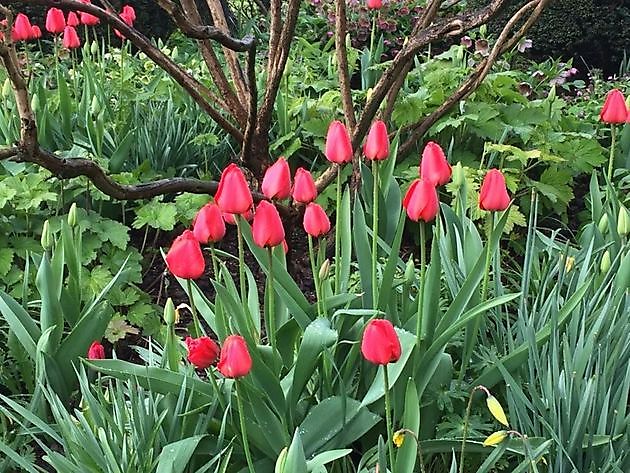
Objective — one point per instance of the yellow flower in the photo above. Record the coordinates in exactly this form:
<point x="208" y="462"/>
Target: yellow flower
<point x="398" y="438"/>
<point x="495" y="438"/>
<point x="496" y="410"/>
<point x="569" y="262"/>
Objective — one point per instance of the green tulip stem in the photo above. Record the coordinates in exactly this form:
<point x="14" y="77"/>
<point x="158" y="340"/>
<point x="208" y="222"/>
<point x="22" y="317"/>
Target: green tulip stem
<point x="423" y="266"/>
<point x="193" y="309"/>
<point x="241" y="416"/>
<point x="465" y="431"/>
<point x="388" y="419"/>
<point x="215" y="268"/>
<point x="215" y="386"/>
<point x="372" y="36"/>
<point x="374" y="234"/>
<point x="241" y="257"/>
<point x="271" y="313"/>
<point x="338" y="234"/>
<point x="315" y="271"/>
<point x="611" y="159"/>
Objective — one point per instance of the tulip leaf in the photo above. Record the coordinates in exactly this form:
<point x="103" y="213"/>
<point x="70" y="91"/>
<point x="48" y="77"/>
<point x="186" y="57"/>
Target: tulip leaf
<point x="50" y="312"/>
<point x="377" y="389"/>
<point x="317" y="337"/>
<point x="175" y="456"/>
<point x="295" y="461"/>
<point x="363" y="252"/>
<point x="335" y="422"/>
<point x="387" y="281"/>
<point x="21" y="323"/>
<point x="318" y="461"/>
<point x="406" y="456"/>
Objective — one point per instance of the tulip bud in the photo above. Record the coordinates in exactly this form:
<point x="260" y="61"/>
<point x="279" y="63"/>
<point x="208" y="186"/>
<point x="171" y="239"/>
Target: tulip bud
<point x="569" y="262"/>
<point x="338" y="145"/>
<point x="185" y="259"/>
<point x="421" y="201"/>
<point x="603" y="224"/>
<point x="46" y="238"/>
<point x="324" y="270"/>
<point x="376" y="145"/>
<point x="304" y="189"/>
<point x="410" y="271"/>
<point x="276" y="183"/>
<point x="169" y="312"/>
<point x="459" y="176"/>
<point x="267" y="228"/>
<point x="235" y="360"/>
<point x="434" y="167"/>
<point x="614" y="110"/>
<point x="96" y="351"/>
<point x="95" y="106"/>
<point x="605" y="263"/>
<point x="282" y="458"/>
<point x="233" y="195"/>
<point x="35" y="102"/>
<point x="94" y="48"/>
<point x="623" y="221"/>
<point x="72" y="215"/>
<point x="6" y="88"/>
<point x="202" y="351"/>
<point x="208" y="225"/>
<point x="493" y="195"/>
<point x="316" y="222"/>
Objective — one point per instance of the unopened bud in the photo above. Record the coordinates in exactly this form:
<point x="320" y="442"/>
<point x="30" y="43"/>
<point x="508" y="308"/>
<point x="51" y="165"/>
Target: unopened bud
<point x="569" y="262"/>
<point x="324" y="270"/>
<point x="35" y="103"/>
<point x="6" y="88"/>
<point x="410" y="271"/>
<point x="605" y="263"/>
<point x="623" y="221"/>
<point x="72" y="215"/>
<point x="169" y="312"/>
<point x="94" y="48"/>
<point x="459" y="176"/>
<point x="95" y="106"/>
<point x="46" y="239"/>
<point x="603" y="224"/>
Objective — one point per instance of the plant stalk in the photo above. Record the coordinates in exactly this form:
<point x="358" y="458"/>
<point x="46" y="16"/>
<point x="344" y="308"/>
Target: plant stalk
<point x="314" y="270"/>
<point x="374" y="233"/>
<point x="423" y="265"/>
<point x="241" y="258"/>
<point x="611" y="159"/>
<point x="338" y="234"/>
<point x="193" y="309"/>
<point x="271" y="313"/>
<point x="388" y="419"/>
<point x="465" y="432"/>
<point x="241" y="416"/>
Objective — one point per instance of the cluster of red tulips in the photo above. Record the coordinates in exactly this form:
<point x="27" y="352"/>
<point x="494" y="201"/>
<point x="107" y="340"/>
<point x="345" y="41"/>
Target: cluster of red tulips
<point x="57" y="23"/>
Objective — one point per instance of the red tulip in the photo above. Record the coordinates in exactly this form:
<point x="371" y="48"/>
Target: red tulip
<point x="96" y="351"/>
<point x="87" y="18"/>
<point x="229" y="218"/>
<point x="615" y="109"/>
<point x="316" y="221"/>
<point x="208" y="225"/>
<point x="374" y="4"/>
<point x="338" y="146"/>
<point x="376" y="146"/>
<point x="185" y="259"/>
<point x="267" y="229"/>
<point x="202" y="351"/>
<point x="73" y="19"/>
<point x="304" y="189"/>
<point x="235" y="360"/>
<point x="380" y="344"/>
<point x="421" y="201"/>
<point x="233" y="195"/>
<point x="277" y="181"/>
<point x="22" y="29"/>
<point x="55" y="21"/>
<point x="285" y="246"/>
<point x="128" y="14"/>
<point x="36" y="33"/>
<point x="434" y="167"/>
<point x="70" y="38"/>
<point x="493" y="194"/>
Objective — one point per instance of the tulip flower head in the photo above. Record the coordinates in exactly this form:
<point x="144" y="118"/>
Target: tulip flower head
<point x="73" y="19"/>
<point x="233" y="195"/>
<point x="316" y="222"/>
<point x="304" y="189"/>
<point x="208" y="225"/>
<point x="615" y="110"/>
<point x="434" y="167"/>
<point x="380" y="344"/>
<point x="185" y="259"/>
<point x="70" y="38"/>
<point x="55" y="21"/>
<point x="276" y="183"/>
<point x="376" y="146"/>
<point x="202" y="352"/>
<point x="267" y="229"/>
<point x="36" y="32"/>
<point x="493" y="195"/>
<point x="421" y="201"/>
<point x="374" y="4"/>
<point x="128" y="15"/>
<point x="87" y="18"/>
<point x="22" y="29"/>
<point x="235" y="360"/>
<point x="96" y="351"/>
<point x="338" y="145"/>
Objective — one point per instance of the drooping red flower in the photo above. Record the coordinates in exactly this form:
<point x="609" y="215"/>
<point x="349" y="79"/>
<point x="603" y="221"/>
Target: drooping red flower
<point x="434" y="167"/>
<point x="202" y="352"/>
<point x="208" y="225"/>
<point x="70" y="38"/>
<point x="316" y="222"/>
<point x="380" y="344"/>
<point x="96" y="351"/>
<point x="87" y="18"/>
<point x="185" y="259"/>
<point x="267" y="228"/>
<point x="233" y="195"/>
<point x="55" y="21"/>
<point x="304" y="189"/>
<point x="376" y="146"/>
<point x="338" y="145"/>
<point x="235" y="360"/>
<point x="493" y="195"/>
<point x="73" y="19"/>
<point x="276" y="183"/>
<point x="22" y="29"/>
<point x="421" y="201"/>
<point x="615" y="110"/>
